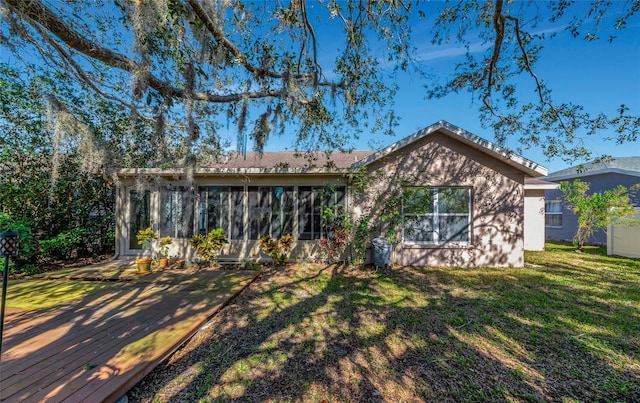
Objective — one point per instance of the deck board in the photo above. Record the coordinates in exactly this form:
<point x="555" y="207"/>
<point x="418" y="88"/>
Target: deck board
<point x="96" y="349"/>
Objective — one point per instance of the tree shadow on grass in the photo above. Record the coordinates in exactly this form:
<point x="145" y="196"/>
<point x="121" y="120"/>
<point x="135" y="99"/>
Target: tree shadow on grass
<point x="410" y="334"/>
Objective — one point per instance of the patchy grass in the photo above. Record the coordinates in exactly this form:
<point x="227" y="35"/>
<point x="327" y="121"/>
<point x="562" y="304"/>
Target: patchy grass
<point x="565" y="328"/>
<point x="41" y="294"/>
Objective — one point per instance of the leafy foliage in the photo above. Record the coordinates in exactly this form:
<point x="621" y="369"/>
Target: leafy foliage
<point x="145" y="238"/>
<point x="278" y="250"/>
<point x="209" y="246"/>
<point x="163" y="246"/>
<point x="596" y="210"/>
<point x="193" y="67"/>
<point x="361" y="238"/>
<point x="64" y="245"/>
<point x="27" y="245"/>
<point x="54" y="185"/>
<point x="338" y="229"/>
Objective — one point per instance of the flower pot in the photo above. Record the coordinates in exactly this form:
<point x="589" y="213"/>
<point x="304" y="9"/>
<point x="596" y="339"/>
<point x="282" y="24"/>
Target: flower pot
<point x="179" y="264"/>
<point x="163" y="262"/>
<point x="144" y="264"/>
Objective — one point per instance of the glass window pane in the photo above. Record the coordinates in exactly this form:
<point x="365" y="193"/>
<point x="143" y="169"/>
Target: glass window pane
<point x="254" y="212"/>
<point x="184" y="213"/>
<point x="453" y="200"/>
<point x="553" y="206"/>
<point x="453" y="228"/>
<point x="553" y="220"/>
<point x="305" y="207"/>
<point x="168" y="212"/>
<point x="237" y="212"/>
<point x="418" y="229"/>
<point x="288" y="211"/>
<point x="176" y="212"/>
<point x="139" y="215"/>
<point x="417" y="200"/>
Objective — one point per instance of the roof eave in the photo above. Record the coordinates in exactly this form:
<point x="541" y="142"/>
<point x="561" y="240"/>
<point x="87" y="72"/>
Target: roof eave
<point x="550" y="186"/>
<point x="131" y="172"/>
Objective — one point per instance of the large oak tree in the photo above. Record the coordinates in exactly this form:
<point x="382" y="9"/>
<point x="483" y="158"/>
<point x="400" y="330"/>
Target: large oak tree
<point x="190" y="67"/>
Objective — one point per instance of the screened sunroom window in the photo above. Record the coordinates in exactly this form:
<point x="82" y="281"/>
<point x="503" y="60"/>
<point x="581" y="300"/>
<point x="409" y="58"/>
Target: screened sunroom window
<point x="176" y="212"/>
<point x="436" y="215"/>
<point x="271" y="211"/>
<point x="222" y="207"/>
<point x="311" y="202"/>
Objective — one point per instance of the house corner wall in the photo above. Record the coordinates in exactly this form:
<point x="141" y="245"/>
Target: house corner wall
<point x="534" y="220"/>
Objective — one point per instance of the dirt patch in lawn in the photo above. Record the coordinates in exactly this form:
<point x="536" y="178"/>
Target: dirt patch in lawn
<point x="335" y="333"/>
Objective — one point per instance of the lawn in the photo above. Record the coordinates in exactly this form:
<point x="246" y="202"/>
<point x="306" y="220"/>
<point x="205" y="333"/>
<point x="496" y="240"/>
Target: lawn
<point x="565" y="328"/>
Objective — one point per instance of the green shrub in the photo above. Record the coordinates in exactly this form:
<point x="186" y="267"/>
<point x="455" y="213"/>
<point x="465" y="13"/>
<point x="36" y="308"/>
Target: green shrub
<point x="361" y="239"/>
<point x="208" y="246"/>
<point x="278" y="250"/>
<point x="65" y="244"/>
<point x="27" y="245"/>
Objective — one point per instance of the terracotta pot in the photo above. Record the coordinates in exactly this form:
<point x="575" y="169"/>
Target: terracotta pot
<point x="163" y="262"/>
<point x="179" y="264"/>
<point x="144" y="264"/>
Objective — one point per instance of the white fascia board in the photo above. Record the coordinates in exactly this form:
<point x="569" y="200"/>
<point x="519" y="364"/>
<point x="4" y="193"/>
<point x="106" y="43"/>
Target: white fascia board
<point x="539" y="186"/>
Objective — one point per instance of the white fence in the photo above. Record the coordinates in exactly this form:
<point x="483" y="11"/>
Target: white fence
<point x="624" y="240"/>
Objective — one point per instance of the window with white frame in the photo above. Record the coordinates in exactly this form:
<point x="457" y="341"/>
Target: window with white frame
<point x="176" y="212"/>
<point x="222" y="207"/>
<point x="436" y="215"/>
<point x="553" y="213"/>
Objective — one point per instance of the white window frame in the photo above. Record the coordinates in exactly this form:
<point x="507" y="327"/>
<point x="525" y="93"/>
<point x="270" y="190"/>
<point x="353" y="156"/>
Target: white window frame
<point x="548" y="213"/>
<point x="436" y="215"/>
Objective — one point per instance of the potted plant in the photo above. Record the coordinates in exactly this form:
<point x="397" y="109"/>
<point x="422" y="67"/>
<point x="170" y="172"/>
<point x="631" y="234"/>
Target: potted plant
<point x="163" y="251"/>
<point x="145" y="238"/>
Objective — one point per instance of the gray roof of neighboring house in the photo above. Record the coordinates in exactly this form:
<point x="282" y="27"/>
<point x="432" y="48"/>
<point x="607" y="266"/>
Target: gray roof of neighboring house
<point x="622" y="165"/>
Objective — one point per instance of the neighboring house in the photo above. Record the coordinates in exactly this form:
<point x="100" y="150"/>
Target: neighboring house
<point x="444" y="196"/>
<point x="561" y="223"/>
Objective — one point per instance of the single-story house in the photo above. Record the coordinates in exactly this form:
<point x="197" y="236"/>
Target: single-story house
<point x="442" y="197"/>
<point x="561" y="223"/>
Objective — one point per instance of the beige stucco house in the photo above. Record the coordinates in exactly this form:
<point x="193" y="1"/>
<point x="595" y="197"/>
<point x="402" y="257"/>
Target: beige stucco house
<point x="442" y="196"/>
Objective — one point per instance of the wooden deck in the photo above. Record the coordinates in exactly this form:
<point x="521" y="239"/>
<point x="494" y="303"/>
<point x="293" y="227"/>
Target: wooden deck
<point x="97" y="348"/>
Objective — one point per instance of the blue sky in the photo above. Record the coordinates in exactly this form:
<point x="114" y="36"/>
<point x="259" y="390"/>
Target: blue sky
<point x="598" y="75"/>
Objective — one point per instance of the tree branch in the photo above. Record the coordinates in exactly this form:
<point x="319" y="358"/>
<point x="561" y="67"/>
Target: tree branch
<point x="529" y="69"/>
<point x="38" y="13"/>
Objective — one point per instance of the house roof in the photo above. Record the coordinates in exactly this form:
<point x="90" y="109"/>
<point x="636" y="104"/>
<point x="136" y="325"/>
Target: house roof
<point x="621" y="165"/>
<point x="528" y="167"/>
<point x="291" y="159"/>
<point x="267" y="163"/>
<point x="321" y="163"/>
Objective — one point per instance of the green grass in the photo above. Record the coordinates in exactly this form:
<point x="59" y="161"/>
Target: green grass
<point x="564" y="328"/>
<point x="42" y="294"/>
